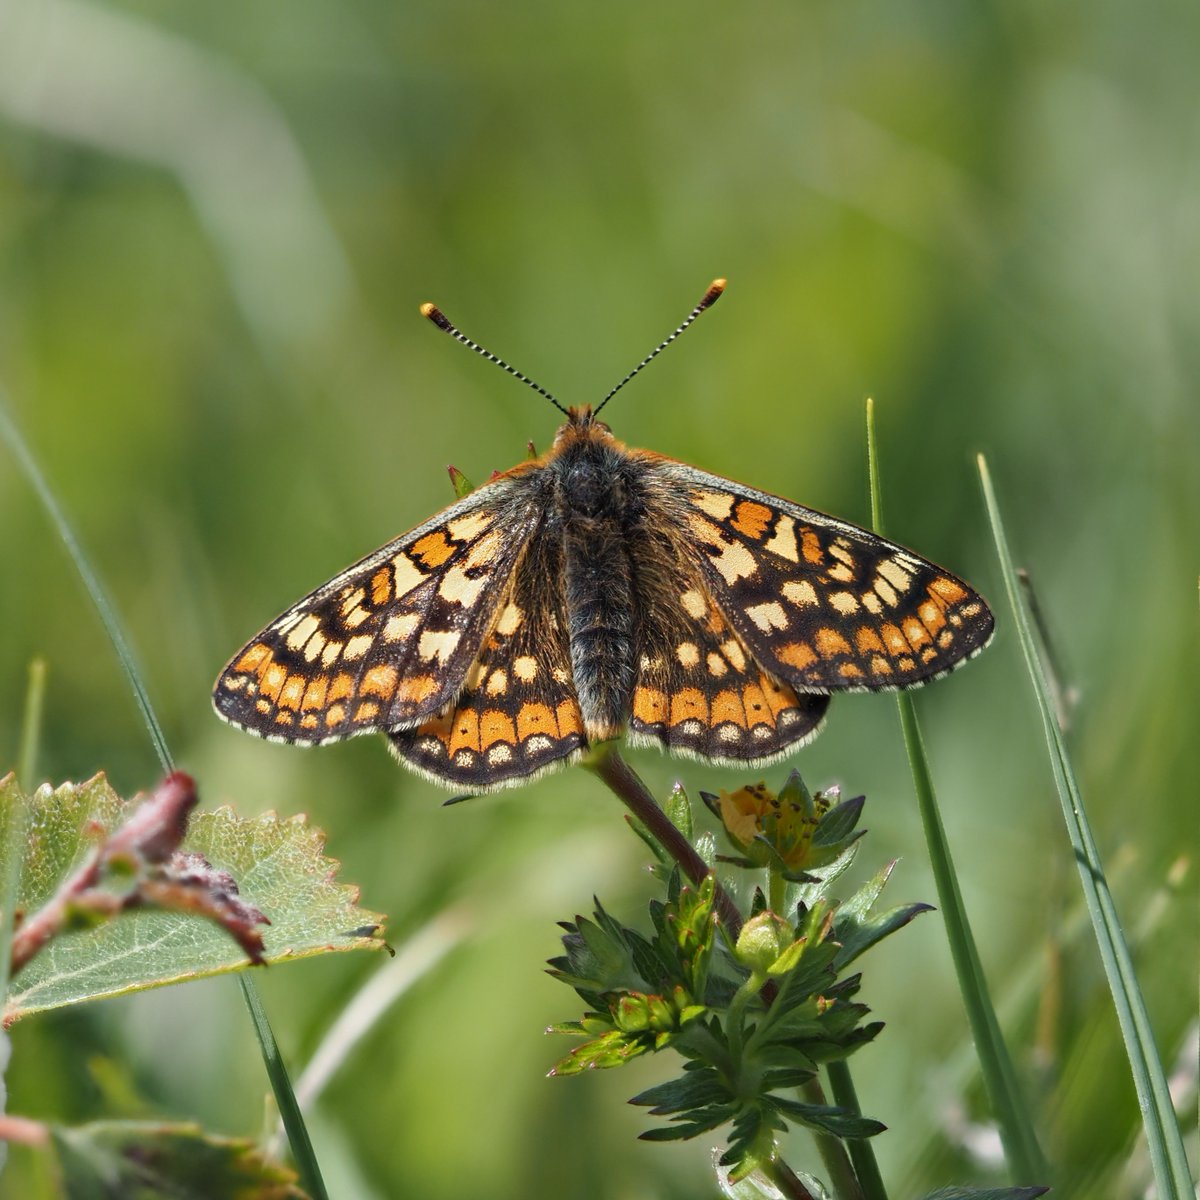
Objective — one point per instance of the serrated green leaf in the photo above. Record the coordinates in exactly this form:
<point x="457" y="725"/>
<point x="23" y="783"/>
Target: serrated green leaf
<point x="278" y="865"/>
<point x="696" y="1088"/>
<point x="839" y="822"/>
<point x="174" y="1162"/>
<point x="841" y="1122"/>
<point x="700" y="1122"/>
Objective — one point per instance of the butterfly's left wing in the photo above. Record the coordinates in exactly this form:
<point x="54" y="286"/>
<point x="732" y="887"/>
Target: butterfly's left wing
<point x="517" y="714"/>
<point x="820" y="603"/>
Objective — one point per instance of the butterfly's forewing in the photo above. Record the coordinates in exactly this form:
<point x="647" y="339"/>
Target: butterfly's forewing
<point x="698" y="689"/>
<point x="822" y="604"/>
<point x="517" y="714"/>
<point x="389" y="640"/>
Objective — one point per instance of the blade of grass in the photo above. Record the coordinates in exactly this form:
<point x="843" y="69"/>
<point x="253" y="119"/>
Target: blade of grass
<point x="1165" y="1143"/>
<point x="1026" y="1162"/>
<point x="31" y="724"/>
<point x="281" y="1084"/>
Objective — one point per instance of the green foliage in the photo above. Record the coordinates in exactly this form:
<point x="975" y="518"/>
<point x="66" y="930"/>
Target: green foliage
<point x="278" y="865"/>
<point x="139" y="1161"/>
<point x="752" y="1021"/>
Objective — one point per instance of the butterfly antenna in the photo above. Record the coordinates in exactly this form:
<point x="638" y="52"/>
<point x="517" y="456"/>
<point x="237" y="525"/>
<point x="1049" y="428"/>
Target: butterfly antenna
<point x="433" y="313"/>
<point x="706" y="301"/>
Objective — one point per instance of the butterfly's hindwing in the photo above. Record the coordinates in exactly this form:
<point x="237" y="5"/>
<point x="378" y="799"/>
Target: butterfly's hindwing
<point x="698" y="689"/>
<point x="389" y="640"/>
<point x="820" y="603"/>
<point x="517" y="714"/>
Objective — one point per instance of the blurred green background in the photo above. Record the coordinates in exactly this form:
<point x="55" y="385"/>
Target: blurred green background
<point x="216" y="224"/>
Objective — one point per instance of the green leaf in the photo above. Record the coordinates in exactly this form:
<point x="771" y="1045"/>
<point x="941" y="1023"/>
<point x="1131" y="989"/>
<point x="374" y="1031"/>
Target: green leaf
<point x="841" y="1122"/>
<point x="278" y="865"/>
<point x="679" y="811"/>
<point x="174" y="1162"/>
<point x="839" y="822"/>
<point x="856" y="931"/>
<point x="695" y="1088"/>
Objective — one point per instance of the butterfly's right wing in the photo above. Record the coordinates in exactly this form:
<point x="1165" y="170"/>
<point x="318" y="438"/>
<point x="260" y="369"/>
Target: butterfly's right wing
<point x="699" y="689"/>
<point x="391" y="639"/>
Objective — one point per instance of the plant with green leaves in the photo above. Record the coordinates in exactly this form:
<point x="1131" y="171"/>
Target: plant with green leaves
<point x="754" y="1008"/>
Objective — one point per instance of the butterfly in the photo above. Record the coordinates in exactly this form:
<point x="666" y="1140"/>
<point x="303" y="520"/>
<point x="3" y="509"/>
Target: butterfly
<point x="595" y="591"/>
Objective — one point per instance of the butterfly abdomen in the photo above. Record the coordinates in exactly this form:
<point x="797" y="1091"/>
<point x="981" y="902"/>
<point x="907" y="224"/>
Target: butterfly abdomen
<point x="599" y="508"/>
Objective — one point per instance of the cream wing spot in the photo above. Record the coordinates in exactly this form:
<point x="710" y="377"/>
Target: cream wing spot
<point x="768" y="616"/>
<point x="525" y="668"/>
<point x="356" y="647"/>
<point x="688" y="654"/>
<point x="694" y="604"/>
<point x="299" y="634"/>
<point x="510" y="620"/>
<point x="465" y="529"/>
<point x="715" y="504"/>
<point x="400" y="628"/>
<point x="802" y="593"/>
<point x="439" y="644"/>
<point x="408" y="574"/>
<point x="783" y="541"/>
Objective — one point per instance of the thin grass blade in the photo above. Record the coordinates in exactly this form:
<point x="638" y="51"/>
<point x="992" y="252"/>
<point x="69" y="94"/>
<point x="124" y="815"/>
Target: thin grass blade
<point x="281" y="1084"/>
<point x="1026" y="1161"/>
<point x="1165" y="1143"/>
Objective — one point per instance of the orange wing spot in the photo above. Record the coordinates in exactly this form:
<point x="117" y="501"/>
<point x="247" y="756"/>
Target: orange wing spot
<point x="688" y="704"/>
<point x="650" y="705"/>
<point x="283" y="718"/>
<point x="570" y="719"/>
<point x="381" y="586"/>
<point x="894" y="639"/>
<point x="931" y="615"/>
<point x="496" y="726"/>
<point x="292" y="692"/>
<point x="916" y="633"/>
<point x="465" y="732"/>
<point x="533" y="719"/>
<point x="727" y="706"/>
<point x="796" y="654"/>
<point x="830" y="642"/>
<point x="379" y="681"/>
<point x="335" y="714"/>
<point x="263" y="706"/>
<point x="880" y="666"/>
<point x="368" y="710"/>
<point x="948" y="590"/>
<point x="850" y="671"/>
<point x="254" y="658"/>
<point x="946" y="639"/>
<point x="416" y="688"/>
<point x="928" y="654"/>
<point x="342" y="686"/>
<point x="752" y="519"/>
<point x="314" y="694"/>
<point x="433" y="549"/>
<point x="758" y="711"/>
<point x="309" y="721"/>
<point x="779" y="696"/>
<point x="274" y="677"/>
<point x="907" y="664"/>
<point x="866" y="639"/>
<point x="810" y="547"/>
